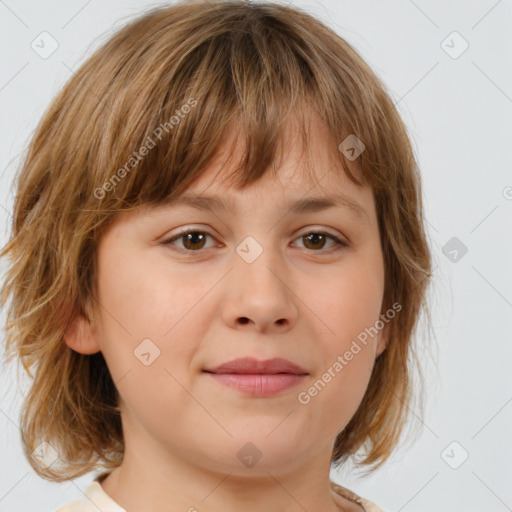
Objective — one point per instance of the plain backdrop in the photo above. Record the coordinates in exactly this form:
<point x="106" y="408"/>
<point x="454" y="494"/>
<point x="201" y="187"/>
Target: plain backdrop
<point x="448" y="68"/>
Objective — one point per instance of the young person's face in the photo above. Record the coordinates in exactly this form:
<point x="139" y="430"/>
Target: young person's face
<point x="251" y="283"/>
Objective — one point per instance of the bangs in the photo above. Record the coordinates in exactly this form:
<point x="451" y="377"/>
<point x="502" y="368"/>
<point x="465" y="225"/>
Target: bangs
<point x="250" y="78"/>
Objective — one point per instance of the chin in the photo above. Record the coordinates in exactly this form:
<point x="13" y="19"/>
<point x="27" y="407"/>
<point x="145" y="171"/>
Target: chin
<point x="254" y="452"/>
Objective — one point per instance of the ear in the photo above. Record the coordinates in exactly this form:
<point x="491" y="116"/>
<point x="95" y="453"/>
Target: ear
<point x="81" y="336"/>
<point x="383" y="340"/>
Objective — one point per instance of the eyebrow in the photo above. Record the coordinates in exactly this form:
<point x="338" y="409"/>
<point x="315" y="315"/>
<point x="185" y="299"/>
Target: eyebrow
<point x="310" y="204"/>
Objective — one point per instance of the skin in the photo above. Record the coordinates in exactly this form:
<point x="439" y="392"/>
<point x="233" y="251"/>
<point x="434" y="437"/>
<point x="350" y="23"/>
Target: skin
<point x="302" y="301"/>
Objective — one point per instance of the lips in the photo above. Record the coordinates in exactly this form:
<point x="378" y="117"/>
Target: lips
<point x="258" y="378"/>
<point x="250" y="365"/>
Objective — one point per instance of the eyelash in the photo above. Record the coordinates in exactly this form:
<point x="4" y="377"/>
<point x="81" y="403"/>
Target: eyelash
<point x="339" y="244"/>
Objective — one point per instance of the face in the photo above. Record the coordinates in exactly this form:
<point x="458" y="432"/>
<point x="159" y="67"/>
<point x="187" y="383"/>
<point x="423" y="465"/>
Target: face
<point x="255" y="280"/>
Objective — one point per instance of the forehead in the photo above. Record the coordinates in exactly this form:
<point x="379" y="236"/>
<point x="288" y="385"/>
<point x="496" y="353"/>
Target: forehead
<point x="315" y="168"/>
<point x="287" y="189"/>
<point x="300" y="179"/>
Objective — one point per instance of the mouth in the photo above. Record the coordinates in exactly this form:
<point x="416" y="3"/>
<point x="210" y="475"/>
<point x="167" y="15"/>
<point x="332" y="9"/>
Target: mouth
<point x="250" y="365"/>
<point x="258" y="378"/>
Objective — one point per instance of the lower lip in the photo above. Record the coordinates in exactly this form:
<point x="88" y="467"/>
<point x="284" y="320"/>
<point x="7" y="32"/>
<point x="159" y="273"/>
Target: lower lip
<point x="258" y="384"/>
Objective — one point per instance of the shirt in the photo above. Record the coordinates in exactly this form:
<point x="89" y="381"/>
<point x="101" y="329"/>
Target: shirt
<point x="95" y="498"/>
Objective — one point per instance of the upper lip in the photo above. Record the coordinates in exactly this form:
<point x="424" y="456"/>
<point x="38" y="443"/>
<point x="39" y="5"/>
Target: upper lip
<point x="255" y="366"/>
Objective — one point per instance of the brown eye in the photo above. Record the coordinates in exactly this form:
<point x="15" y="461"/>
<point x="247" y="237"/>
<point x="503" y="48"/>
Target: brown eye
<point x="193" y="241"/>
<point x="316" y="240"/>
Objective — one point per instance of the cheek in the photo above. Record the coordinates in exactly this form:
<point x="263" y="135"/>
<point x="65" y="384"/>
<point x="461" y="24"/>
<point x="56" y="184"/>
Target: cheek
<point x="350" y="306"/>
<point x="145" y="323"/>
<point x="344" y="394"/>
<point x="349" y="310"/>
<point x="336" y="391"/>
<point x="145" y="297"/>
<point x="148" y="341"/>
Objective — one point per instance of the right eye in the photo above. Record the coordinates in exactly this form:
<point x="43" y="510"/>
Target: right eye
<point x="193" y="241"/>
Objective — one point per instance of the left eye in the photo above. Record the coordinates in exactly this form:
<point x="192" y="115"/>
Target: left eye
<point x="315" y="236"/>
<point x="194" y="241"/>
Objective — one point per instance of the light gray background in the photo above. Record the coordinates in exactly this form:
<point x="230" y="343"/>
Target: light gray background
<point x="458" y="111"/>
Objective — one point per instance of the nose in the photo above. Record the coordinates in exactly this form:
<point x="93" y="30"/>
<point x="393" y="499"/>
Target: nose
<point x="259" y="294"/>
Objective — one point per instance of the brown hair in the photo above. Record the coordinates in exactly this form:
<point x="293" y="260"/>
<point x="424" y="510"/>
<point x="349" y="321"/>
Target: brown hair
<point x="173" y="81"/>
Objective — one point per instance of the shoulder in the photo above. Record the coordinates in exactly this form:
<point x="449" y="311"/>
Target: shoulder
<point x="369" y="506"/>
<point x="72" y="506"/>
<point x="364" y="504"/>
<point x="93" y="499"/>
